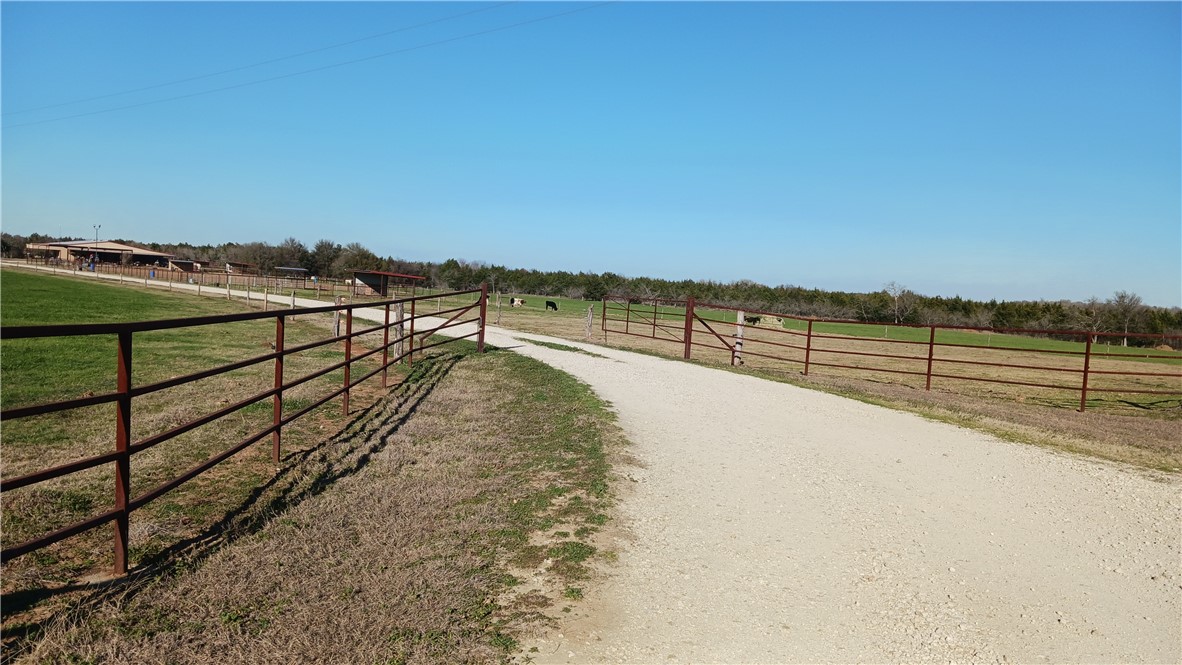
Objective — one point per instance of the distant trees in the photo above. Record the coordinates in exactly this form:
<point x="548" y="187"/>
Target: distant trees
<point x="1092" y="316"/>
<point x="355" y="256"/>
<point x="291" y="253"/>
<point x="1124" y="312"/>
<point x="12" y="246"/>
<point x="903" y="300"/>
<point x="1126" y="307"/>
<point x="323" y="255"/>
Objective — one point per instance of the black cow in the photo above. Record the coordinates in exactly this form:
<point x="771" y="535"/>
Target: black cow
<point x="551" y="305"/>
<point x="753" y="320"/>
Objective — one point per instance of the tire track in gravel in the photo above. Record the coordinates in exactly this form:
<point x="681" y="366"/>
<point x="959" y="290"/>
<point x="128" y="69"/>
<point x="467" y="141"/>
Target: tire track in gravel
<point x="773" y="524"/>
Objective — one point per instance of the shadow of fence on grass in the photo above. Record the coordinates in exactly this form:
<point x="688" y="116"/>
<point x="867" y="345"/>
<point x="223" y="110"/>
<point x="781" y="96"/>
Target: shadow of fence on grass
<point x="303" y="475"/>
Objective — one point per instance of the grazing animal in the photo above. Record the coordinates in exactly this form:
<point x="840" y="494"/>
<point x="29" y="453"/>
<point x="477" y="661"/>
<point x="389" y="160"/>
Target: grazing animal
<point x="551" y="305"/>
<point x="769" y="321"/>
<point x="517" y="302"/>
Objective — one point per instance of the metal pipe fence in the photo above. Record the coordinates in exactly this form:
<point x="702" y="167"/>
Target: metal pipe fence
<point x="1061" y="360"/>
<point x="325" y="288"/>
<point x="125" y="447"/>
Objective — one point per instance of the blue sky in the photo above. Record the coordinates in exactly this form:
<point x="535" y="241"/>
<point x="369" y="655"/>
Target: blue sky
<point x="992" y="150"/>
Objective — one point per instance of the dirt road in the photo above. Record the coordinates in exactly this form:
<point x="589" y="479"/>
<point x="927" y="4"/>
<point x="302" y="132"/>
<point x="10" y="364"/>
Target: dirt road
<point x="772" y="524"/>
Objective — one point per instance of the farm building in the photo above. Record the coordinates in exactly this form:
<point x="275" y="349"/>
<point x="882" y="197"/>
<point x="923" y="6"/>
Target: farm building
<point x="105" y="251"/>
<point x="242" y="268"/>
<point x="184" y="265"/>
<point x="293" y="277"/>
<point x="236" y="267"/>
<point x="376" y="282"/>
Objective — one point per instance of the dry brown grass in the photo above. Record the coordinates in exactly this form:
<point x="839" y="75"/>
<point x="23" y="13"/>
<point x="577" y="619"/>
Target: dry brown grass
<point x="389" y="543"/>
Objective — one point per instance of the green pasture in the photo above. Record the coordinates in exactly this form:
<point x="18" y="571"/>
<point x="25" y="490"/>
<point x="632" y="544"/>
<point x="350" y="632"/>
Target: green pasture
<point x="567" y="307"/>
<point x="28" y="299"/>
<point x="49" y="369"/>
<point x="39" y="370"/>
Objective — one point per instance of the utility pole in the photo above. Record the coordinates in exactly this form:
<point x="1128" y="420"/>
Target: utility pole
<point x="94" y="258"/>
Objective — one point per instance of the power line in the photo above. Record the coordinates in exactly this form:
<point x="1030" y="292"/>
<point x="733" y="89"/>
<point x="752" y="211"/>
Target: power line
<point x="260" y="63"/>
<point x="315" y="69"/>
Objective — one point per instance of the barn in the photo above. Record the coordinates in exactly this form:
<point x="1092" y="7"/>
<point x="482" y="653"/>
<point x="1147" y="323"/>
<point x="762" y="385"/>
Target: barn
<point x="106" y="251"/>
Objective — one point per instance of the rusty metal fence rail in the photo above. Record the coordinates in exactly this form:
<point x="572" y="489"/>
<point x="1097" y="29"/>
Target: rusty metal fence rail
<point x="126" y="447"/>
<point x="1064" y="360"/>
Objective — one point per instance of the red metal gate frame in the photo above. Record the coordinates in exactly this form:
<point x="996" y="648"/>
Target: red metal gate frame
<point x="929" y="358"/>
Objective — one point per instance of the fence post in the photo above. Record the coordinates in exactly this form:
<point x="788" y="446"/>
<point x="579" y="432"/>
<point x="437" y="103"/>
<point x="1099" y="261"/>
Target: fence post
<point x="603" y="318"/>
<point x="689" y="325"/>
<point x="266" y="298"/>
<point x="808" y="347"/>
<point x="590" y="321"/>
<point x="277" y="400"/>
<point x="627" y="315"/>
<point x="654" y="319"/>
<point x="1083" y="393"/>
<point x="931" y="352"/>
<point x="293" y="298"/>
<point x="348" y="356"/>
<point x="483" y="314"/>
<point x="386" y="345"/>
<point x="228" y="278"/>
<point x="410" y="352"/>
<point x="737" y="352"/>
<point x="122" y="442"/>
<point x="400" y="330"/>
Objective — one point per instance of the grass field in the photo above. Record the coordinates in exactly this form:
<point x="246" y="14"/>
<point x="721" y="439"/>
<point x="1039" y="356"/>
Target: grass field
<point x="544" y="475"/>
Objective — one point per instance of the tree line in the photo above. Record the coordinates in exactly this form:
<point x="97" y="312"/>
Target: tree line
<point x="1123" y="312"/>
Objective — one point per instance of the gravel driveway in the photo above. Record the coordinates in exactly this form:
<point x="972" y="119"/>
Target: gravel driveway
<point x="773" y="524"/>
